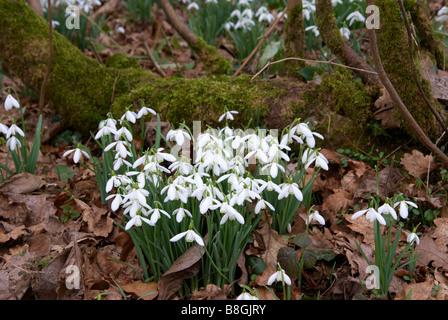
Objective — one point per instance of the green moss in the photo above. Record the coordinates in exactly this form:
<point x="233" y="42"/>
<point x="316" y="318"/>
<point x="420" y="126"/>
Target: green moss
<point x="202" y="99"/>
<point x="121" y="61"/>
<point x="393" y="48"/>
<point x="295" y="39"/>
<point x="213" y="61"/>
<point x="326" y="23"/>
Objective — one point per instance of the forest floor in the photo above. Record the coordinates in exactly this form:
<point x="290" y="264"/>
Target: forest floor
<point x="55" y="219"/>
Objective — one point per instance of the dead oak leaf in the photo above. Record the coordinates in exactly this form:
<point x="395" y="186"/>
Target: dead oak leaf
<point x="418" y="164"/>
<point x="98" y="219"/>
<point x="441" y="234"/>
<point x="140" y="289"/>
<point x="340" y="200"/>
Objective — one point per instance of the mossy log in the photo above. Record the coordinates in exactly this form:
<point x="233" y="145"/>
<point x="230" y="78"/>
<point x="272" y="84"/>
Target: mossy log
<point x="83" y="91"/>
<point x="394" y="51"/>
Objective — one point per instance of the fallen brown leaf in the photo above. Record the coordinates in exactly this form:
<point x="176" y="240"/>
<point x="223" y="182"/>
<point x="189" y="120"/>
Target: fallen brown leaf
<point x="418" y="164"/>
<point x="22" y="183"/>
<point x="145" y="290"/>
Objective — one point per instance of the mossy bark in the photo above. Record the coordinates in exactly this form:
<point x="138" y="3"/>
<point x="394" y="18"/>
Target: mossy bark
<point x="428" y="38"/>
<point x="294" y="38"/>
<point x="83" y="91"/>
<point x="394" y="52"/>
<point x="326" y="23"/>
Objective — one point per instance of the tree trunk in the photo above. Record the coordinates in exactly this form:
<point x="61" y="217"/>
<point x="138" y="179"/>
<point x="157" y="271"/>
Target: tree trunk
<point x="294" y="38"/>
<point x="394" y="51"/>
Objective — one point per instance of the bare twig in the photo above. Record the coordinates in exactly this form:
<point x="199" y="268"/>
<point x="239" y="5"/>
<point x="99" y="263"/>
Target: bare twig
<point x="398" y="102"/>
<point x="310" y="61"/>
<point x="257" y="47"/>
<point x="151" y="57"/>
<point x="50" y="58"/>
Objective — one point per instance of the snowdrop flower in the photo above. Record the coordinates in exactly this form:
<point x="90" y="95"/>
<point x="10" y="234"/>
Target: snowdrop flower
<point x="119" y="162"/>
<point x="262" y="205"/>
<point x="387" y="209"/>
<point x="280" y="275"/>
<point x="355" y="16"/>
<point x="106" y="128"/>
<point x="12" y="143"/>
<point x="403" y="207"/>
<point x="442" y="14"/>
<point x="135" y="200"/>
<point x="137" y="221"/>
<point x="193" y="5"/>
<point x="113" y="182"/>
<point x="345" y="32"/>
<point x="413" y="237"/>
<point x="288" y="189"/>
<point x="163" y="156"/>
<point x="314" y="30"/>
<point x="155" y="215"/>
<point x="77" y="154"/>
<point x="130" y="116"/>
<point x="336" y="2"/>
<point x="145" y="111"/>
<point x="244" y="3"/>
<point x="178" y="135"/>
<point x="3" y="128"/>
<point x="123" y="132"/>
<point x="316" y="216"/>
<point x="13" y="130"/>
<point x="270" y="186"/>
<point x="229" y="25"/>
<point x="211" y="1"/>
<point x="184" y="167"/>
<point x="306" y="14"/>
<point x="273" y="169"/>
<point x="310" y="156"/>
<point x="305" y="132"/>
<point x="180" y="213"/>
<point x="230" y="213"/>
<point x="264" y="15"/>
<point x="371" y="215"/>
<point x="118" y="199"/>
<point x="175" y="192"/>
<point x="11" y="102"/>
<point x="228" y="115"/>
<point x="121" y="30"/>
<point x="208" y="203"/>
<point x="120" y="148"/>
<point x="190" y="236"/>
<point x="246" y="296"/>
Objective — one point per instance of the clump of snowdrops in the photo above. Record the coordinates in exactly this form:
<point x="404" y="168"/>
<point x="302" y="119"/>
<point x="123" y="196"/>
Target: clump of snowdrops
<point x="388" y="256"/>
<point x="24" y="157"/>
<point x="211" y="199"/>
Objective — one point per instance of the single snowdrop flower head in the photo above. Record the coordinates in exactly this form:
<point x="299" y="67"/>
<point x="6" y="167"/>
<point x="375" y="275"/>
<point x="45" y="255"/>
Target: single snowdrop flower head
<point x="413" y="237"/>
<point x="315" y="216"/>
<point x="387" y="209"/>
<point x="246" y="296"/>
<point x="228" y="115"/>
<point x="12" y="142"/>
<point x="190" y="236"/>
<point x="354" y="17"/>
<point x="13" y="130"/>
<point x="11" y="102"/>
<point x="403" y="207"/>
<point x="130" y="116"/>
<point x="280" y="275"/>
<point x="78" y="152"/>
<point x="137" y="221"/>
<point x="193" y="5"/>
<point x="144" y="111"/>
<point x="371" y="215"/>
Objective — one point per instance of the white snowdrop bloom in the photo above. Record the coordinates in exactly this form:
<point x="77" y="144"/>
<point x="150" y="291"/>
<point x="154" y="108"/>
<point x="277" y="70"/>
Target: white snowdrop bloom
<point x="119" y="162"/>
<point x="228" y="115"/>
<point x="262" y="204"/>
<point x="310" y="156"/>
<point x="345" y="32"/>
<point x="155" y="215"/>
<point x="371" y="215"/>
<point x="403" y="207"/>
<point x="175" y="192"/>
<point x="442" y="14"/>
<point x="130" y="116"/>
<point x="387" y="209"/>
<point x="120" y="147"/>
<point x="12" y="142"/>
<point x="316" y="216"/>
<point x="180" y="213"/>
<point x="208" y="203"/>
<point x="77" y="154"/>
<point x="105" y="129"/>
<point x="230" y="213"/>
<point x="192" y="6"/>
<point x="144" y="111"/>
<point x="134" y="201"/>
<point x="279" y="276"/>
<point x="290" y="188"/>
<point x="123" y="132"/>
<point x="355" y="16"/>
<point x="13" y="130"/>
<point x="229" y="25"/>
<point x="115" y="204"/>
<point x="270" y="186"/>
<point x="161" y="156"/>
<point x="190" y="236"/>
<point x="137" y="221"/>
<point x="273" y="169"/>
<point x="246" y="296"/>
<point x="314" y="30"/>
<point x="3" y="128"/>
<point x="306" y="14"/>
<point x="263" y="14"/>
<point x="184" y="167"/>
<point x="413" y="237"/>
<point x="179" y="135"/>
<point x="11" y="102"/>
